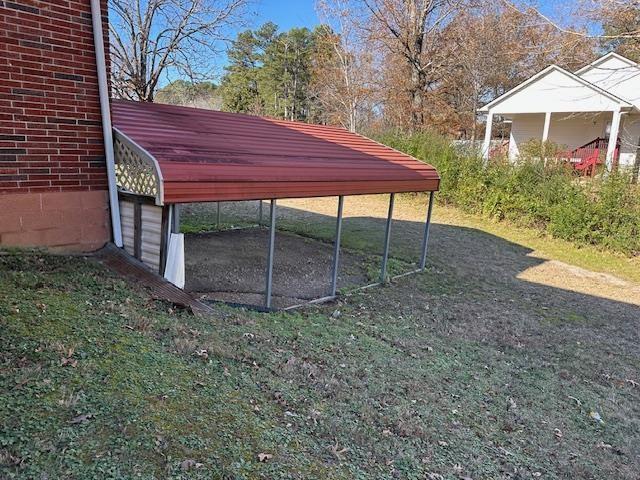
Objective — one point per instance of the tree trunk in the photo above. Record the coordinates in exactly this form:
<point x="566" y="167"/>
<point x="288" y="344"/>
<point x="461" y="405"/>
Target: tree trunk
<point x="417" y="100"/>
<point x="474" y="126"/>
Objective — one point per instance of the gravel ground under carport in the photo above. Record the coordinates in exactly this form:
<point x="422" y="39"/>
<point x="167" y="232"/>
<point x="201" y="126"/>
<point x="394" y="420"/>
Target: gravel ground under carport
<point x="230" y="266"/>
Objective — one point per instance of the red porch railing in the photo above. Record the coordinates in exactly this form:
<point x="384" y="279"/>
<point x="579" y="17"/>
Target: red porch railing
<point x="585" y="159"/>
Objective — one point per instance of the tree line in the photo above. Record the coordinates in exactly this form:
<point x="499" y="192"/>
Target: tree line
<point x="370" y="65"/>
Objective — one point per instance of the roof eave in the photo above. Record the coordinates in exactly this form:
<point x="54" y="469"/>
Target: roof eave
<point x="598" y="61"/>
<point x="623" y="103"/>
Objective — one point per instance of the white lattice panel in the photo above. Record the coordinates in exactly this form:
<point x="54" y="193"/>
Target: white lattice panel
<point x="134" y="174"/>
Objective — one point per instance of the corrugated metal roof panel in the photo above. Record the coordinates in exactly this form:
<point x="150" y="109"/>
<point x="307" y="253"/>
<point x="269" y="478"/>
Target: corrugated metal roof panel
<point x="206" y="155"/>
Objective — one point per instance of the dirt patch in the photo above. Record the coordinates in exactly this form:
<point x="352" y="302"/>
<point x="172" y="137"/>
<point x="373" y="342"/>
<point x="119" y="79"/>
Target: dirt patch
<point x="230" y="266"/>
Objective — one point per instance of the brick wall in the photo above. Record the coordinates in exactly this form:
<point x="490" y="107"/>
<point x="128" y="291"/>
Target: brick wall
<point x="50" y="125"/>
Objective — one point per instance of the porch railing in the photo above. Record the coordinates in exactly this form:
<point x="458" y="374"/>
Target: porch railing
<point x="586" y="158"/>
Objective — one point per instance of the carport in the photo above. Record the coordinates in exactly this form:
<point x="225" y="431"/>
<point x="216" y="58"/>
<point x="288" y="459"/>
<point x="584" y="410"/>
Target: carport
<point x="168" y="155"/>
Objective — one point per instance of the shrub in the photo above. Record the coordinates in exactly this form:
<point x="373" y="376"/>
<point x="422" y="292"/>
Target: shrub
<point x="604" y="211"/>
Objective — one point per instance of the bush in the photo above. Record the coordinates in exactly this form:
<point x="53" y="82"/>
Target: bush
<point x="604" y="211"/>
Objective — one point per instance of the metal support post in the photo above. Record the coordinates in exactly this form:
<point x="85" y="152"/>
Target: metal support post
<point x="336" y="249"/>
<point x="387" y="237"/>
<point x="260" y="213"/>
<point x="217" y="214"/>
<point x="175" y="218"/>
<point x="272" y="238"/>
<point x="425" y="239"/>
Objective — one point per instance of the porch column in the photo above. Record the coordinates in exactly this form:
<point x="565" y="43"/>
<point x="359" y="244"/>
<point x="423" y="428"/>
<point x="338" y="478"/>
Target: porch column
<point x="613" y="139"/>
<point x="547" y="124"/>
<point x="486" y="145"/>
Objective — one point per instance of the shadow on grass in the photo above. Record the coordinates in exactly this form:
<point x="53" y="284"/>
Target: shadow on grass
<point x="460" y="259"/>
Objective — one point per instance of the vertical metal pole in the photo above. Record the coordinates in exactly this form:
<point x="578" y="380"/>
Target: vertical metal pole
<point x="217" y="214"/>
<point x="425" y="239"/>
<point x="387" y="237"/>
<point x="272" y="238"/>
<point x="260" y="213"/>
<point x="336" y="250"/>
<point x="175" y="218"/>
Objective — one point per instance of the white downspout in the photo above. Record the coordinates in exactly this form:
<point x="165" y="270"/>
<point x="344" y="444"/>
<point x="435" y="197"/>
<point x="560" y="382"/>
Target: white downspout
<point x="98" y="41"/>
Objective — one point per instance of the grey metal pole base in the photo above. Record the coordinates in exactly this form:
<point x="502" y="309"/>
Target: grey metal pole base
<point x="425" y="238"/>
<point x="272" y="239"/>
<point x="387" y="238"/>
<point x="336" y="248"/>
<point x="175" y="218"/>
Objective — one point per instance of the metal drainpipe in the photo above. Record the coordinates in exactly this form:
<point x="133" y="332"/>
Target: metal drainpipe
<point x="98" y="41"/>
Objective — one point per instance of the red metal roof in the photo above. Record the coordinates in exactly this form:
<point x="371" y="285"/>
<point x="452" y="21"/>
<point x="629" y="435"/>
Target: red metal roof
<point x="206" y="155"/>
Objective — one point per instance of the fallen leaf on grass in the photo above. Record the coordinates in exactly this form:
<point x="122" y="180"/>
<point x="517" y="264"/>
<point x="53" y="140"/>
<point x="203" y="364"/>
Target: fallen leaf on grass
<point x="202" y="353"/>
<point x="434" y="476"/>
<point x="337" y="451"/>
<point x="315" y="414"/>
<point x="189" y="464"/>
<point x="578" y="402"/>
<point x="505" y="451"/>
<point x="263" y="457"/>
<point x="68" y="361"/>
<point x="596" y="416"/>
<point x="68" y="358"/>
<point x="608" y="446"/>
<point x="82" y="418"/>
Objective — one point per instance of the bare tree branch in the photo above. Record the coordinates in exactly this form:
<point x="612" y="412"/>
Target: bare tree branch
<point x="152" y="38"/>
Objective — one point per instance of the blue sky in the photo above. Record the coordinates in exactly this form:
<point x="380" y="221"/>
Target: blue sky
<point x="286" y="14"/>
<point x="301" y="13"/>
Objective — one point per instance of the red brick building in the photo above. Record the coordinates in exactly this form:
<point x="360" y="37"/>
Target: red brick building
<point x="53" y="181"/>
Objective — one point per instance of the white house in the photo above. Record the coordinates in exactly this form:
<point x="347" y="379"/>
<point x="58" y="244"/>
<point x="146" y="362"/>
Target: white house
<point x="582" y="111"/>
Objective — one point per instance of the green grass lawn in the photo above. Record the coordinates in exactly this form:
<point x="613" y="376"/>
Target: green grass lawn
<point x="591" y="258"/>
<point x="462" y="372"/>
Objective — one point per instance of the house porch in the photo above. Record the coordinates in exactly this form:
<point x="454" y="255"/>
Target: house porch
<point x="577" y="133"/>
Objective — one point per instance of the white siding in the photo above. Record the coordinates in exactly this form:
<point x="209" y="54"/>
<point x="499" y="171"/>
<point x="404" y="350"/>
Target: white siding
<point x="555" y="91"/>
<point x="151" y="231"/>
<point x="576" y="130"/>
<point x="126" y="222"/>
<point x="617" y="77"/>
<point x="629" y="140"/>
<point x="151" y="234"/>
<point x="524" y="128"/>
<point x="569" y="130"/>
